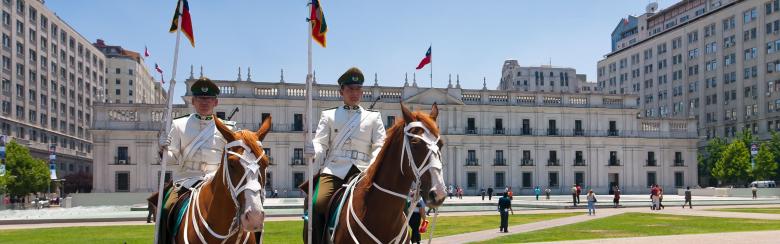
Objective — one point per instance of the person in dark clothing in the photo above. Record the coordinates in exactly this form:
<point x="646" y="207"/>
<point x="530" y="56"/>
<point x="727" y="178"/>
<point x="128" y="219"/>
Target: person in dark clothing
<point x="482" y="192"/>
<point x="579" y="191"/>
<point x="490" y="193"/>
<point x="504" y="207"/>
<point x="151" y="216"/>
<point x="688" y="198"/>
<point x="616" y="199"/>
<point x="417" y="218"/>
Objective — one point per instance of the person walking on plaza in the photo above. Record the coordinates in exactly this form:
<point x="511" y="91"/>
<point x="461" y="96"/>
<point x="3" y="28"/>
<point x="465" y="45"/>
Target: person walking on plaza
<point x="591" y="202"/>
<point x="579" y="192"/>
<point x="460" y="192"/>
<point x="504" y="207"/>
<point x="482" y="192"/>
<point x="574" y="194"/>
<point x="547" y="193"/>
<point x="616" y="199"/>
<point x="417" y="218"/>
<point x="661" y="197"/>
<point x="654" y="198"/>
<point x="511" y="194"/>
<point x="537" y="192"/>
<point x="755" y="191"/>
<point x="490" y="193"/>
<point x="688" y="197"/>
<point x="450" y="191"/>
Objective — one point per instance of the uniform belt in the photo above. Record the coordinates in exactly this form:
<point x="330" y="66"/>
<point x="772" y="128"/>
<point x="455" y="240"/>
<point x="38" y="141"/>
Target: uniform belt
<point x="354" y="154"/>
<point x="197" y="166"/>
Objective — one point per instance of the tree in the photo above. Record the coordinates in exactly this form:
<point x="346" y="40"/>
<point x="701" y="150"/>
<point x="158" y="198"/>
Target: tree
<point x="765" y="164"/>
<point x="734" y="165"/>
<point x="29" y="175"/>
<point x="707" y="159"/>
<point x="774" y="146"/>
<point x="747" y="138"/>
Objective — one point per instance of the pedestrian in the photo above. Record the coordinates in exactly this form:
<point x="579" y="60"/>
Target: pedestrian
<point x="591" y="202"/>
<point x="416" y="219"/>
<point x="490" y="193"/>
<point x="547" y="193"/>
<point x="755" y="191"/>
<point x="449" y="191"/>
<point x="574" y="194"/>
<point x="537" y="192"/>
<point x="150" y="216"/>
<point x="482" y="192"/>
<point x="504" y="207"/>
<point x="579" y="192"/>
<point x="511" y="195"/>
<point x="616" y="199"/>
<point x="688" y="198"/>
<point x="276" y="193"/>
<point x="460" y="192"/>
<point x="654" y="198"/>
<point x="661" y="197"/>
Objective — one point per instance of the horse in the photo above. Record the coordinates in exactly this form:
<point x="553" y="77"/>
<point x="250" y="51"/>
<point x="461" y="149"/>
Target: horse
<point x="374" y="209"/>
<point x="235" y="190"/>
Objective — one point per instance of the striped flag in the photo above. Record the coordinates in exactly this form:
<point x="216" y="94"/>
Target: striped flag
<point x="317" y="20"/>
<point x="426" y="60"/>
<point x="159" y="70"/>
<point x="183" y="12"/>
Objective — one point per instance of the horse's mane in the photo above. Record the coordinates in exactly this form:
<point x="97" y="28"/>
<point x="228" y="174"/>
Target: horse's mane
<point x="395" y="137"/>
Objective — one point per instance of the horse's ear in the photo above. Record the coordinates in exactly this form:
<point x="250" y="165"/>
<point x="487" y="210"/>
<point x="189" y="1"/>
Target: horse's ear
<point x="224" y="130"/>
<point x="434" y="111"/>
<point x="408" y="117"/>
<point x="264" y="128"/>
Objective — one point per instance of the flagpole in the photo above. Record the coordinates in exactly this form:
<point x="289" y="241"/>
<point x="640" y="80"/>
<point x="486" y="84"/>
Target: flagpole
<point x="431" y="48"/>
<point x="167" y="126"/>
<point x="307" y="137"/>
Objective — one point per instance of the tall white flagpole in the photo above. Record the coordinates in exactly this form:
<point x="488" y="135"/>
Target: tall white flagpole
<point x="168" y="120"/>
<point x="308" y="136"/>
<point x="431" y="48"/>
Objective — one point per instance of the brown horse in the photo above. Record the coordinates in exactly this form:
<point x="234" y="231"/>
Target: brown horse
<point x="228" y="208"/>
<point x="375" y="211"/>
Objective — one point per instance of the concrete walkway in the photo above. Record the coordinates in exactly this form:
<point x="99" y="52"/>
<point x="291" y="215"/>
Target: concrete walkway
<point x="760" y="237"/>
<point x="756" y="237"/>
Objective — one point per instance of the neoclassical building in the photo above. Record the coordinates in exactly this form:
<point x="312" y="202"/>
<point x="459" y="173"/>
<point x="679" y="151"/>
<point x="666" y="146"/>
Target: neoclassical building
<point x="493" y="138"/>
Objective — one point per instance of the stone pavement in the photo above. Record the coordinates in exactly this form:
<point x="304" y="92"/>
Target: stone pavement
<point x="755" y="237"/>
<point x="759" y="237"/>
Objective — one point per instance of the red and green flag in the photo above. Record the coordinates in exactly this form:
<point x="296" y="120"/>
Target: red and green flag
<point x="317" y="20"/>
<point x="183" y="12"/>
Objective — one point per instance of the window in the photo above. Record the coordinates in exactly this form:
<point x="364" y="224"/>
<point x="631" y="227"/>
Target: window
<point x="749" y="16"/>
<point x="297" y="122"/>
<point x="527" y="181"/>
<point x="298" y="178"/>
<point x="471" y="180"/>
<point x="679" y="179"/>
<point x="500" y="180"/>
<point x="471" y="158"/>
<point x="651" y="179"/>
<point x="471" y="126"/>
<point x="122" y="180"/>
<point x="390" y="121"/>
<point x="579" y="178"/>
<point x="552" y="180"/>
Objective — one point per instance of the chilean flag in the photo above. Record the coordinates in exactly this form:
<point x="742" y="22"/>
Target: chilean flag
<point x="426" y="60"/>
<point x="159" y="70"/>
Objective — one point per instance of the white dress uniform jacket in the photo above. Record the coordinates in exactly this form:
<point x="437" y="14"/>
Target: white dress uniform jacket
<point x="195" y="147"/>
<point x="360" y="148"/>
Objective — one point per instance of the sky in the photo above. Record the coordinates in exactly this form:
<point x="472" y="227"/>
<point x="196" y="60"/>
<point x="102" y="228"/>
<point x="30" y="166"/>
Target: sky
<point x="387" y="38"/>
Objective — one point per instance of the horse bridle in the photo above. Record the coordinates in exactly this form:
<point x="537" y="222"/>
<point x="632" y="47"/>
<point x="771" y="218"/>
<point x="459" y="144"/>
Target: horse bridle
<point x="432" y="160"/>
<point x="251" y="168"/>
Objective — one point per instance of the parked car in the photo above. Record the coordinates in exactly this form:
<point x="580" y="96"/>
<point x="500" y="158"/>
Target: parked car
<point x="764" y="184"/>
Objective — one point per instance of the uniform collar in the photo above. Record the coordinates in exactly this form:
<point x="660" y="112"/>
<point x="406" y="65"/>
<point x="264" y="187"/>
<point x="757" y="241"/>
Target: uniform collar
<point x="204" y="117"/>
<point x="347" y="107"/>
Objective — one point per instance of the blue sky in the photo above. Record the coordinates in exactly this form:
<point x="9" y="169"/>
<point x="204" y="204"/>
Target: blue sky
<point x="470" y="38"/>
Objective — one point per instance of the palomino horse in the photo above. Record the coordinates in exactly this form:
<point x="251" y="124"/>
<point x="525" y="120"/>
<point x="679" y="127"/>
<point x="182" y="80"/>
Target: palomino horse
<point x="228" y="207"/>
<point x="374" y="211"/>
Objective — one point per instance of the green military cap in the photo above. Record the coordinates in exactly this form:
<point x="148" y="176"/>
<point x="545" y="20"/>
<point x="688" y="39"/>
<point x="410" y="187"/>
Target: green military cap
<point x="204" y="88"/>
<point x="352" y="76"/>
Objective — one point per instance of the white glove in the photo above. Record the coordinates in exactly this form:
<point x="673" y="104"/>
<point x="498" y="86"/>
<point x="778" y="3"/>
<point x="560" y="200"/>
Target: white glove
<point x="165" y="142"/>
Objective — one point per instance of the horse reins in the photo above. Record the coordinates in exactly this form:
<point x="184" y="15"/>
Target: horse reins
<point x="428" y="163"/>
<point x="251" y="168"/>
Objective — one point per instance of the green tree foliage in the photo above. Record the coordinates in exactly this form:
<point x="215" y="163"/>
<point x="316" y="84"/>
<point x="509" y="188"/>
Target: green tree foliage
<point x="711" y="154"/>
<point x="765" y="163"/>
<point x="774" y="146"/>
<point x="734" y="165"/>
<point x="24" y="174"/>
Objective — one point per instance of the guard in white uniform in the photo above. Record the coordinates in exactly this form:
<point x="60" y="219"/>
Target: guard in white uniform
<point x="347" y="141"/>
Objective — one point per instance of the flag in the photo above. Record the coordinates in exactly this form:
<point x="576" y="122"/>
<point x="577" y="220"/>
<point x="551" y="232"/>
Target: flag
<point x="425" y="60"/>
<point x="183" y="11"/>
<point x="146" y="52"/>
<point x="159" y="70"/>
<point x="317" y="20"/>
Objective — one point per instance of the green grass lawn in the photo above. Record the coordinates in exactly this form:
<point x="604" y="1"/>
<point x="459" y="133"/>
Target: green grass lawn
<point x="750" y="210"/>
<point x="640" y="224"/>
<point x="275" y="231"/>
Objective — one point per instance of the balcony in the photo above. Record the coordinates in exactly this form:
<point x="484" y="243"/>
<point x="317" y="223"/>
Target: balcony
<point x="612" y="132"/>
<point x="499" y="162"/>
<point x="553" y="162"/>
<point x="651" y="163"/>
<point x="122" y="161"/>
<point x="679" y="162"/>
<point x="526" y="162"/>
<point x="472" y="162"/>
<point x="525" y="131"/>
<point x="297" y="161"/>
<point x="552" y="131"/>
<point x="498" y="131"/>
<point x="471" y="131"/>
<point x="297" y="127"/>
<point x="614" y="162"/>
<point x="579" y="162"/>
<point x="579" y="132"/>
